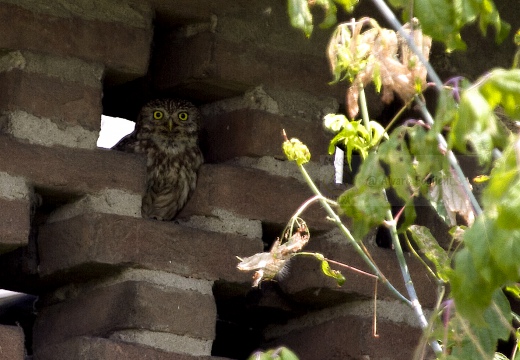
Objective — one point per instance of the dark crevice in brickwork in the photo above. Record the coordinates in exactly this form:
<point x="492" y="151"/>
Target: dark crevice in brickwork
<point x="270" y="232"/>
<point x="242" y="315"/>
<point x="19" y="311"/>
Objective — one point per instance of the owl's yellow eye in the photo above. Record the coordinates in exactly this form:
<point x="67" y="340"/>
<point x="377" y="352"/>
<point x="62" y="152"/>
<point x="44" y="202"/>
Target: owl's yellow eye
<point x="183" y="115"/>
<point x="158" y="115"/>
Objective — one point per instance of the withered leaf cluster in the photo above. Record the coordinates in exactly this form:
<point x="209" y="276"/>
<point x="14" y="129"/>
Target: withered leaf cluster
<point x="269" y="264"/>
<point x="379" y="55"/>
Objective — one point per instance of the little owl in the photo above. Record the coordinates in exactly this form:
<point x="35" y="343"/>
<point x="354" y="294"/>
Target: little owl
<point x="167" y="132"/>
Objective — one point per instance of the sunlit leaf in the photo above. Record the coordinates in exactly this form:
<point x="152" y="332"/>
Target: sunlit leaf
<point x="366" y="202"/>
<point x="513" y="290"/>
<point x="502" y="87"/>
<point x="330" y="10"/>
<point x="300" y="15"/>
<point x="394" y="152"/>
<point x="348" y="5"/>
<point x="443" y="20"/>
<point x="335" y="274"/>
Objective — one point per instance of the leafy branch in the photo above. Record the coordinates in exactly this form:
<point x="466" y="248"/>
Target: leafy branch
<point x="417" y="159"/>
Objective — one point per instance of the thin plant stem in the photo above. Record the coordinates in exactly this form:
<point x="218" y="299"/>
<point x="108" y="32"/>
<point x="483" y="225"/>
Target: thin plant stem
<point x="416" y="305"/>
<point x="332" y="214"/>
<point x="414" y="301"/>
<point x="351" y="268"/>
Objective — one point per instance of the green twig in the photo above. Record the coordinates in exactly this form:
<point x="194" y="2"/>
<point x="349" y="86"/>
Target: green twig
<point x="332" y="214"/>
<point x="416" y="305"/>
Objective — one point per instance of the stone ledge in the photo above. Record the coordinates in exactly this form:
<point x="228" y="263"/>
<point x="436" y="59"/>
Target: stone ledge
<point x="129" y="305"/>
<point x="306" y="284"/>
<point x="165" y="341"/>
<point x="91" y="244"/>
<point x="42" y="131"/>
<point x="88" y="348"/>
<point x="11" y="343"/>
<point x="60" y="170"/>
<point x="65" y="102"/>
<point x="258" y="133"/>
<point x="351" y="337"/>
<point x="15" y="220"/>
<point x="254" y="194"/>
<point x="78" y="30"/>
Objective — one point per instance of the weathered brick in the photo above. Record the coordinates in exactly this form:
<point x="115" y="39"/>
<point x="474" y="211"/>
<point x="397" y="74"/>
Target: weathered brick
<point x="210" y="65"/>
<point x="66" y="103"/>
<point x="15" y="223"/>
<point x="305" y="283"/>
<point x="11" y="343"/>
<point x="254" y="194"/>
<point x="124" y="306"/>
<point x="350" y="337"/>
<point x="58" y="171"/>
<point x="87" y="348"/>
<point x="92" y="244"/>
<point x="258" y="133"/>
<point x="118" y="36"/>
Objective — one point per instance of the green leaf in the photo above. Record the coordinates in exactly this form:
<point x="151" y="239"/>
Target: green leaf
<point x="366" y="202"/>
<point x="378" y="132"/>
<point x="439" y="19"/>
<point x="348" y="5"/>
<point x="424" y="147"/>
<point x="476" y="124"/>
<point x="443" y="20"/>
<point x="394" y="152"/>
<point x="336" y="275"/>
<point x="330" y="13"/>
<point x="367" y="207"/>
<point x="502" y="87"/>
<point x="432" y="250"/>
<point x="481" y="340"/>
<point x="300" y="16"/>
<point x="482" y="267"/>
<point x="513" y="290"/>
<point x="352" y="135"/>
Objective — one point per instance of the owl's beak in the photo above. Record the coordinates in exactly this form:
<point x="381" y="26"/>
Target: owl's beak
<point x="170" y="124"/>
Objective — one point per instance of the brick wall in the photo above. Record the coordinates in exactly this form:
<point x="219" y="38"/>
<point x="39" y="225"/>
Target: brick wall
<point x="112" y="285"/>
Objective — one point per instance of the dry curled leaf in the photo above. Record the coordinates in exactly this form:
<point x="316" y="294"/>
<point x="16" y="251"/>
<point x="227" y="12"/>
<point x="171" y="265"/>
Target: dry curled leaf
<point x="454" y="198"/>
<point x="269" y="264"/>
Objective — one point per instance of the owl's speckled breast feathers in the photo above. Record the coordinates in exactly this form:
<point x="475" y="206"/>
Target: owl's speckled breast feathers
<point x="167" y="132"/>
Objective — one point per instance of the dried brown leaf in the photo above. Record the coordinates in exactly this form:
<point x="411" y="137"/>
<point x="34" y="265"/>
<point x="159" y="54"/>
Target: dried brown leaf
<point x="269" y="264"/>
<point x="454" y="198"/>
<point x="356" y="54"/>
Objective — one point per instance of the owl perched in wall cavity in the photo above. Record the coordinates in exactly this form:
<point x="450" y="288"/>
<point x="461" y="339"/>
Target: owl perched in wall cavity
<point x="167" y="132"/>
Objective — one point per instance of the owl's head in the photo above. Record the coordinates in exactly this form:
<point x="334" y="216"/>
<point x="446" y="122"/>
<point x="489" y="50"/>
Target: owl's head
<point x="169" y="119"/>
